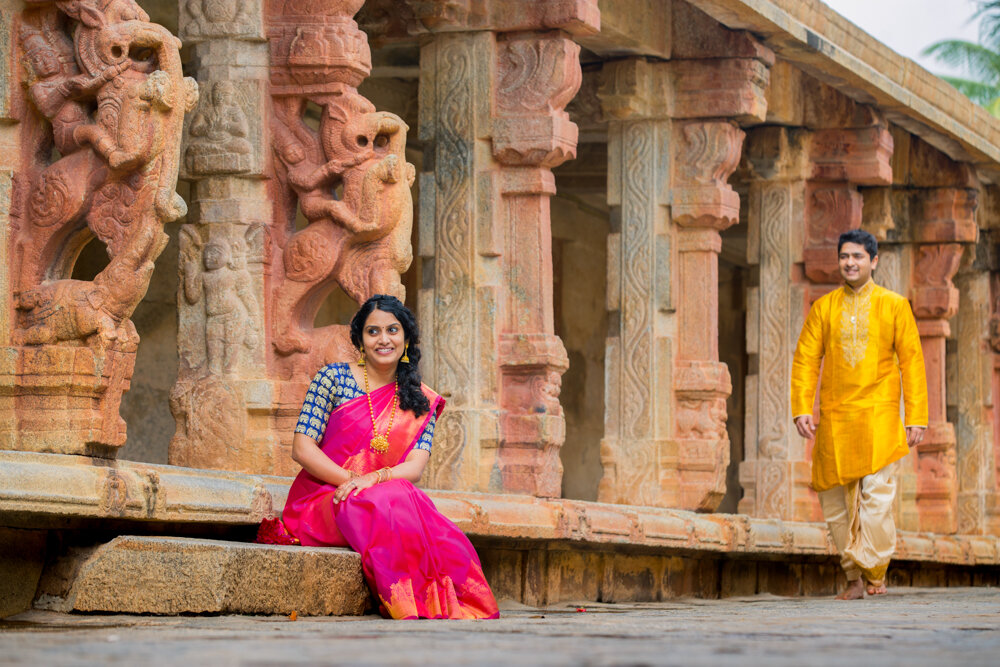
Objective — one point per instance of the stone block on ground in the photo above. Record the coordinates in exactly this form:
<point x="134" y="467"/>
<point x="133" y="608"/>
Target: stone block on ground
<point x="169" y="575"/>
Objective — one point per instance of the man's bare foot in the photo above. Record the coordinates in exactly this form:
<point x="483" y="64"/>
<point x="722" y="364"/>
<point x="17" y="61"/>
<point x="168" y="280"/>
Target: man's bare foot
<point x="876" y="587"/>
<point x="855" y="591"/>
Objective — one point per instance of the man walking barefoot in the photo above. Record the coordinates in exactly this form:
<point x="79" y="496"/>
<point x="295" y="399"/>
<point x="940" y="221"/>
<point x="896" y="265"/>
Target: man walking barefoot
<point x="865" y="338"/>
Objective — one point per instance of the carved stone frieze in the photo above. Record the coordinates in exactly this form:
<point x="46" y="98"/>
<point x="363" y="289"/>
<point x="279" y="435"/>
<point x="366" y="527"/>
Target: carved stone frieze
<point x="203" y="20"/>
<point x="100" y="148"/>
<point x="392" y="19"/>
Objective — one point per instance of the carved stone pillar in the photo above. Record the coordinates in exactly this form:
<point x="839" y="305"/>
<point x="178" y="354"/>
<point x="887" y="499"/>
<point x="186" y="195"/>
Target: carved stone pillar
<point x="670" y="155"/>
<point x="775" y="473"/>
<point x="639" y="351"/>
<point x="975" y="455"/>
<point x="493" y="124"/>
<point x="221" y="297"/>
<point x="938" y="215"/>
<point x="69" y="345"/>
<point x="808" y="176"/>
<point x="537" y="75"/>
<point x="253" y="280"/>
<point x="460" y="245"/>
<point x="993" y="471"/>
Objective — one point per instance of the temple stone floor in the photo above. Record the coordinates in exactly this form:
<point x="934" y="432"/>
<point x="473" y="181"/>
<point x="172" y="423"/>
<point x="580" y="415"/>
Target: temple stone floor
<point x="910" y="626"/>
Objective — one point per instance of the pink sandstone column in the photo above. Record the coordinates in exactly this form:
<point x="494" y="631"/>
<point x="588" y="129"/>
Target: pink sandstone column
<point x="492" y="96"/>
<point x="944" y="220"/>
<point x="673" y="142"/>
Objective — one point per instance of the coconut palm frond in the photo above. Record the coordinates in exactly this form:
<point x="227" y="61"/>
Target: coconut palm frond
<point x="988" y="15"/>
<point x="977" y="60"/>
<point x="981" y="93"/>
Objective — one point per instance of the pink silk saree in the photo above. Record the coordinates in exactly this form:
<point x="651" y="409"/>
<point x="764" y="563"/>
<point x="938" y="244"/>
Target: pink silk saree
<point x="418" y="563"/>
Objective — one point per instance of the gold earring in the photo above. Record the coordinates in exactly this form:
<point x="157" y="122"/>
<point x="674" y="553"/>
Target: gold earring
<point x="406" y="357"/>
<point x="361" y="359"/>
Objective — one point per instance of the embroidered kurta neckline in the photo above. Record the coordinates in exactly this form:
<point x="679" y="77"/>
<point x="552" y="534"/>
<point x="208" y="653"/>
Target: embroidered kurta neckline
<point x="854" y="322"/>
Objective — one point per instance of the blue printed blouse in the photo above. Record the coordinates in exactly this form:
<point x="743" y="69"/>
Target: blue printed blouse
<point x="333" y="385"/>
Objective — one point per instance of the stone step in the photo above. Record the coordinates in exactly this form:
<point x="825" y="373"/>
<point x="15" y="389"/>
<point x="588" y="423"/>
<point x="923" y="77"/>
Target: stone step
<point x="174" y="575"/>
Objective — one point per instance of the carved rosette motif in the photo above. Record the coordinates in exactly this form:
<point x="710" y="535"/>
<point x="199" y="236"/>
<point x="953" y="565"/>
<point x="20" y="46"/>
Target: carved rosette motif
<point x="103" y="125"/>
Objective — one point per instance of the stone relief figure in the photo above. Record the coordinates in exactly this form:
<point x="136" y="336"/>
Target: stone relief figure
<point x="100" y="141"/>
<point x="218" y="131"/>
<point x="352" y="183"/>
<point x="224" y="285"/>
<point x="117" y="172"/>
<point x="216" y="17"/>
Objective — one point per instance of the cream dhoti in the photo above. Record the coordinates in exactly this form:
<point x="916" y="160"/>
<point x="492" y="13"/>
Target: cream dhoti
<point x="859" y="515"/>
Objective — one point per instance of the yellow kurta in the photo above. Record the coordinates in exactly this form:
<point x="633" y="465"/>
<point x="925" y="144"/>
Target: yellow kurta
<point x="866" y="342"/>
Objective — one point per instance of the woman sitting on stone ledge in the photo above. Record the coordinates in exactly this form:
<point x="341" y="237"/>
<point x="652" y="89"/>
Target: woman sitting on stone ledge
<point x="363" y="437"/>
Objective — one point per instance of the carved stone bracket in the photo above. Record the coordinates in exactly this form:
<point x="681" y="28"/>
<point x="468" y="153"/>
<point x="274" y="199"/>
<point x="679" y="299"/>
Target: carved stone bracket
<point x="840" y="160"/>
<point x="358" y="239"/>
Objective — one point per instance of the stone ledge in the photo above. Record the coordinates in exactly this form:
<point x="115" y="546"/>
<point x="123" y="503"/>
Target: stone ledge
<point x="170" y="575"/>
<point x="42" y="490"/>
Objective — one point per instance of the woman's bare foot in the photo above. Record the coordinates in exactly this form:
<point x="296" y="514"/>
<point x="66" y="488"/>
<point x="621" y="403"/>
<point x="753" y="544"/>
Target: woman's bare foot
<point x="855" y="591"/>
<point x="876" y="587"/>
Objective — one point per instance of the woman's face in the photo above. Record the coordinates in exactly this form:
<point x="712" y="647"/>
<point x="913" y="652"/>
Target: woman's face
<point x="383" y="339"/>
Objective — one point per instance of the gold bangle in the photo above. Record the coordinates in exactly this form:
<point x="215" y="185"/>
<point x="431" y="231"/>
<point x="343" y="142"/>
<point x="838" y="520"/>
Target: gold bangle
<point x="388" y="473"/>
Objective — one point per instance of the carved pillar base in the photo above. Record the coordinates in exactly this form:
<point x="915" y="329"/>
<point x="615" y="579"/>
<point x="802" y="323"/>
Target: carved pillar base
<point x="701" y="389"/>
<point x="532" y="424"/>
<point x="937" y="485"/>
<point x="64" y="399"/>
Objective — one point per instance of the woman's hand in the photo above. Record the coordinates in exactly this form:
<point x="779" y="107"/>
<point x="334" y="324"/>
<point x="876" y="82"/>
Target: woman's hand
<point x="354" y="486"/>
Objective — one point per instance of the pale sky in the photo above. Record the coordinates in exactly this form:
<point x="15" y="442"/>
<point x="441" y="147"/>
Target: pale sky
<point x="908" y="26"/>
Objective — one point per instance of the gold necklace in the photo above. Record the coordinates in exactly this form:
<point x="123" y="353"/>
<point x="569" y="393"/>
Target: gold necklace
<point x="380" y="441"/>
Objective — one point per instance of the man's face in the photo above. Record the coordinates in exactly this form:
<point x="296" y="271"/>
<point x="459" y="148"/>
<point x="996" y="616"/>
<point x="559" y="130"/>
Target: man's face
<point x="855" y="265"/>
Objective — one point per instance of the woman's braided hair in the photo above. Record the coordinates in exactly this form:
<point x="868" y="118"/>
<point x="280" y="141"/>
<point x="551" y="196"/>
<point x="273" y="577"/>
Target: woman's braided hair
<point x="407" y="375"/>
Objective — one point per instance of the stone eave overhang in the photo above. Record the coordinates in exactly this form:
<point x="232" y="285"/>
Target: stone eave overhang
<point x="814" y="37"/>
<point x="39" y="491"/>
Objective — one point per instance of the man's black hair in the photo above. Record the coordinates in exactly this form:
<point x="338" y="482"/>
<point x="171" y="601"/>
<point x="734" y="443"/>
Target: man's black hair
<point x="860" y="237"/>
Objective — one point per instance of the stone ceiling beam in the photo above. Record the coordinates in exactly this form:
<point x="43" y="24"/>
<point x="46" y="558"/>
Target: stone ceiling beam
<point x="632" y="27"/>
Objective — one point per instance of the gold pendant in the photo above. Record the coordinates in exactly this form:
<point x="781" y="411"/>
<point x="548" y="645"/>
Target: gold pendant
<point x="379" y="444"/>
